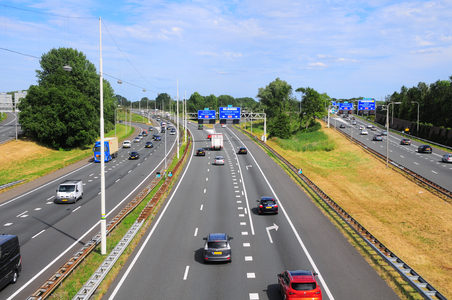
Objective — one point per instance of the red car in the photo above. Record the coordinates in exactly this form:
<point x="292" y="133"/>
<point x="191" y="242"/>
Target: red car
<point x="209" y="136"/>
<point x="299" y="284"/>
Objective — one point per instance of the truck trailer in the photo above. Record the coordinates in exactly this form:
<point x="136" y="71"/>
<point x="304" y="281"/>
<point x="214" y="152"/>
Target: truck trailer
<point x="216" y="141"/>
<point x="110" y="149"/>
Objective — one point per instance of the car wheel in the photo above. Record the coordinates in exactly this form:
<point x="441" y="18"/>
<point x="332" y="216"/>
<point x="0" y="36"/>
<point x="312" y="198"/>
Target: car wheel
<point x="15" y="275"/>
<point x="276" y="213"/>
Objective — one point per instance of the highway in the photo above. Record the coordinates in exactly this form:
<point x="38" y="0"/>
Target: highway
<point x="50" y="233"/>
<point x="429" y="166"/>
<point x="168" y="262"/>
<point x="8" y="128"/>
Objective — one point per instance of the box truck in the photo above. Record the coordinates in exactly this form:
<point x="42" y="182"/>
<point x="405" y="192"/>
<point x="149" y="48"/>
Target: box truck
<point x="110" y="149"/>
<point x="69" y="191"/>
<point x="217" y="141"/>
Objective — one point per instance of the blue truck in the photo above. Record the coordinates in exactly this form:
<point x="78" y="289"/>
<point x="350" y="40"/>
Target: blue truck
<point x="110" y="148"/>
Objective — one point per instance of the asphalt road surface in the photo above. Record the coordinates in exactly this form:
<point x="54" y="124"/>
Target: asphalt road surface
<point x="168" y="262"/>
<point x="429" y="166"/>
<point x="50" y="233"/>
<point x="8" y="128"/>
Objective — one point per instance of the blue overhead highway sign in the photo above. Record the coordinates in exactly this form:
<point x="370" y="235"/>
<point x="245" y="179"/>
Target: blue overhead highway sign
<point x="366" y="104"/>
<point x="206" y="114"/>
<point x="229" y="112"/>
<point x="345" y="106"/>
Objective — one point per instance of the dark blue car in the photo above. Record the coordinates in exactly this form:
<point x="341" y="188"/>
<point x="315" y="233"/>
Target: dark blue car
<point x="157" y="137"/>
<point x="267" y="205"/>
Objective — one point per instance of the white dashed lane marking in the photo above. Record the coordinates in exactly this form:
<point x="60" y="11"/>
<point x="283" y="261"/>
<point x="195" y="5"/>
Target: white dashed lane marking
<point x="196" y="231"/>
<point x="201" y="207"/>
<point x="8" y="224"/>
<point x="38" y="234"/>
<point x="248" y="258"/>
<point x="246" y="245"/>
<point x="20" y="215"/>
<point x="250" y="275"/>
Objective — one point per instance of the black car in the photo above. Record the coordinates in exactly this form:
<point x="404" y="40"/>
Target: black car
<point x="425" y="149"/>
<point x="242" y="150"/>
<point x="267" y="205"/>
<point x="134" y="155"/>
<point x="342" y="126"/>
<point x="217" y="247"/>
<point x="149" y="145"/>
<point x="163" y="130"/>
<point x="405" y="142"/>
<point x="201" y="152"/>
<point x="10" y="259"/>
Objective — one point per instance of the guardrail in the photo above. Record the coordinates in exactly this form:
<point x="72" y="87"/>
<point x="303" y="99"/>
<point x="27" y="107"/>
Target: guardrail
<point x="10" y="184"/>
<point x="413" y="175"/>
<point x="46" y="289"/>
<point x="421" y="285"/>
<point x="99" y="275"/>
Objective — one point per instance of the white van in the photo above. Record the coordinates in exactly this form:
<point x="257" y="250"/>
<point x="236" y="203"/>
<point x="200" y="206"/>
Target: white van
<point x="69" y="191"/>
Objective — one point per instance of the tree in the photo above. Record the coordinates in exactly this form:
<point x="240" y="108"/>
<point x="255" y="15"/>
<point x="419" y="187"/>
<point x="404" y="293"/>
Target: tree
<point x="280" y="127"/>
<point x="312" y="105"/>
<point x="63" y="110"/>
<point x="274" y="96"/>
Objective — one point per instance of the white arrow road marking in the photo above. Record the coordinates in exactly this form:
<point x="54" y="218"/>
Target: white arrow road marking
<point x="275" y="227"/>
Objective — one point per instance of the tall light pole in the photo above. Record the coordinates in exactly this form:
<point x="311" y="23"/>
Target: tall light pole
<point x="177" y="117"/>
<point x="103" y="222"/>
<point x="185" y="113"/>
<point x="387" y="130"/>
<point x="116" y="118"/>
<point x="417" y="130"/>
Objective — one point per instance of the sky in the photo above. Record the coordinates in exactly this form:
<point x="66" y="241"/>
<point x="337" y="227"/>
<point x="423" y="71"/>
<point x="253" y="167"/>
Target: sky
<point x="343" y="48"/>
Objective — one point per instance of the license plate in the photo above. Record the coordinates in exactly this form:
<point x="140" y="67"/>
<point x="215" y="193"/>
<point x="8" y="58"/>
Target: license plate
<point x="64" y="200"/>
<point x="218" y="253"/>
<point x="268" y="207"/>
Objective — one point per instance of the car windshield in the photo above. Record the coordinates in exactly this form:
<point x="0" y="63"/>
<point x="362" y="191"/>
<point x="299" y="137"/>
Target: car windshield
<point x="134" y="153"/>
<point x="217" y="244"/>
<point x="267" y="202"/>
<point x="303" y="286"/>
<point x="66" y="188"/>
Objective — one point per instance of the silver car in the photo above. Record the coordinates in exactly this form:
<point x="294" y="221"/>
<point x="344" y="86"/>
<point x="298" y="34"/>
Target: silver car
<point x="447" y="158"/>
<point x="219" y="160"/>
<point x="217" y="247"/>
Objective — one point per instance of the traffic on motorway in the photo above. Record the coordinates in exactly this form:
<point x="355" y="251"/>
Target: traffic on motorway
<point x="431" y="163"/>
<point x="282" y="247"/>
<point x="65" y="211"/>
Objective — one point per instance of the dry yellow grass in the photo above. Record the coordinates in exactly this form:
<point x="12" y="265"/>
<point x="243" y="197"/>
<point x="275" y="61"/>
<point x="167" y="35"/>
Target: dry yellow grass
<point x="409" y="220"/>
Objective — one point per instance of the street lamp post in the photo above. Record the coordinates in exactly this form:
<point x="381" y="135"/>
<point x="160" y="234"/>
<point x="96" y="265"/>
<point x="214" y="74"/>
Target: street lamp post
<point x="103" y="222"/>
<point x="177" y="118"/>
<point x="116" y="118"/>
<point x="185" y="113"/>
<point x="417" y="130"/>
<point x="387" y="130"/>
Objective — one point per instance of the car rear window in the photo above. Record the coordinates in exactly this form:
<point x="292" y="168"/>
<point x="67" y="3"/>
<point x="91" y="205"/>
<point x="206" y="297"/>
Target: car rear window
<point x="268" y="202"/>
<point x="305" y="286"/>
<point x="217" y="244"/>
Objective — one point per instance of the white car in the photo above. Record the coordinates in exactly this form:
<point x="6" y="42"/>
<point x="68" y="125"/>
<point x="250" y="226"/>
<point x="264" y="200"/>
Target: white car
<point x="172" y="132"/>
<point x="369" y="126"/>
<point x="219" y="160"/>
<point x="361" y="127"/>
<point x="364" y="131"/>
<point x="126" y="144"/>
<point x="223" y="125"/>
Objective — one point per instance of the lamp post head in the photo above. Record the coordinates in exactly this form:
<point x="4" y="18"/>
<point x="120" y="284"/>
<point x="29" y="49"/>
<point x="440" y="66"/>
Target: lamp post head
<point x="67" y="68"/>
<point x="119" y="81"/>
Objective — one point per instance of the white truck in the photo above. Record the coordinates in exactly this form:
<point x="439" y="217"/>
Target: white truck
<point x="217" y="141"/>
<point x="69" y="191"/>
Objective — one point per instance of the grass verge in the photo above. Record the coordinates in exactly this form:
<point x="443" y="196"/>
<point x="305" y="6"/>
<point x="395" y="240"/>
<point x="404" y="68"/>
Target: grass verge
<point x="409" y="220"/>
<point x="72" y="284"/>
<point x="27" y="160"/>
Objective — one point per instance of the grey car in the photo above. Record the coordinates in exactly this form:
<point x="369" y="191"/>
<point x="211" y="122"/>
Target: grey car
<point x="217" y="247"/>
<point x="447" y="158"/>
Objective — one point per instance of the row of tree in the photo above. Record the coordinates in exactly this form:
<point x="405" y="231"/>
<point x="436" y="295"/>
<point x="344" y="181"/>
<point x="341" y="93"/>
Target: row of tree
<point x="434" y="101"/>
<point x="195" y="102"/>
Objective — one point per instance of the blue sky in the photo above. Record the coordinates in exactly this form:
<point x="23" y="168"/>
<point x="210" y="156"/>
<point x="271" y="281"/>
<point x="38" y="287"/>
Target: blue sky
<point x="342" y="48"/>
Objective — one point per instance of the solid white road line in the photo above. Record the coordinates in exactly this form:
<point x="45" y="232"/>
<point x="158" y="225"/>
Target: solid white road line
<point x="89" y="230"/>
<point x="115" y="291"/>
<point x="305" y="250"/>
<point x="38" y="234"/>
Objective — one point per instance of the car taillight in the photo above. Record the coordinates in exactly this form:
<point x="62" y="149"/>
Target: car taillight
<point x="261" y="206"/>
<point x="276" y="205"/>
